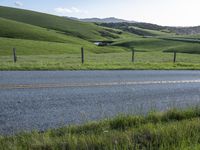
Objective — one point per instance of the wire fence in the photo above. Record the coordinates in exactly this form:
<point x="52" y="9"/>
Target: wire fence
<point x="125" y="57"/>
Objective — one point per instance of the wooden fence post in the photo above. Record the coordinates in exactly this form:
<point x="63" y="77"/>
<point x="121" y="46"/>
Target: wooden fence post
<point x="133" y="55"/>
<point x="82" y="55"/>
<point x="14" y="55"/>
<point x="174" y="57"/>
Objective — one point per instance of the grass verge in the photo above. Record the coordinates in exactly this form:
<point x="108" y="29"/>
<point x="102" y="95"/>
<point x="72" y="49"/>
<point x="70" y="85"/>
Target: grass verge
<point x="175" y="129"/>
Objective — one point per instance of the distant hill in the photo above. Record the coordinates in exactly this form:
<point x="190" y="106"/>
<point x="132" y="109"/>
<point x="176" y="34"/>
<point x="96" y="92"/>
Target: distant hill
<point x="35" y="33"/>
<point x="185" y="30"/>
<point x="104" y="20"/>
<point x="122" y="24"/>
<point x="133" y="28"/>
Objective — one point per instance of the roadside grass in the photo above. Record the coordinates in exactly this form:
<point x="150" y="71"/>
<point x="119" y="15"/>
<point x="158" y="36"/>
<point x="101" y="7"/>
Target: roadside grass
<point x="174" y="129"/>
<point x="105" y="61"/>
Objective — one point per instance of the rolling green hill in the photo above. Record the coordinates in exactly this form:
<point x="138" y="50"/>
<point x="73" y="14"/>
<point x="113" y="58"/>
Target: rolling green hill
<point x="29" y="25"/>
<point x="79" y="29"/>
<point x="150" y="44"/>
<point x="189" y="48"/>
<point x="142" y="29"/>
<point x="152" y="32"/>
<point x="13" y="29"/>
<point x="154" y="27"/>
<point x="32" y="47"/>
<point x="46" y="41"/>
<point x="31" y="35"/>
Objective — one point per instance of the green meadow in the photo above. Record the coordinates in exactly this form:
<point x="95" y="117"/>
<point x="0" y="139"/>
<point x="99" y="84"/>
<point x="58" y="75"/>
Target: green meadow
<point x="109" y="61"/>
<point x="43" y="55"/>
<point x="48" y="42"/>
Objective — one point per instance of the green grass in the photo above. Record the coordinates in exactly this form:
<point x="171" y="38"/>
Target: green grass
<point x="79" y="29"/>
<point x="110" y="61"/>
<point x="151" y="44"/>
<point x="175" y="129"/>
<point x="47" y="42"/>
<point x="154" y="32"/>
<point x="193" y="36"/>
<point x="191" y="49"/>
<point x="32" y="47"/>
<point x="157" y="44"/>
<point x="17" y="30"/>
<point x="181" y="39"/>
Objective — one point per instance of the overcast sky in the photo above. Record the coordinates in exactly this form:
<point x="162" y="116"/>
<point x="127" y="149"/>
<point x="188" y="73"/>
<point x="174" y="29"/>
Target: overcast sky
<point x="163" y="12"/>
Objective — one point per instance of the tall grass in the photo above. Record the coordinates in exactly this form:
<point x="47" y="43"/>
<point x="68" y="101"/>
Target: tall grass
<point x="175" y="129"/>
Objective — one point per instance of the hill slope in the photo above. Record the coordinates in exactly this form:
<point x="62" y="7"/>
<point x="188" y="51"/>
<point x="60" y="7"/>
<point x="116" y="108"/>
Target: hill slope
<point x="14" y="29"/>
<point x="142" y="29"/>
<point x="79" y="29"/>
<point x="59" y="35"/>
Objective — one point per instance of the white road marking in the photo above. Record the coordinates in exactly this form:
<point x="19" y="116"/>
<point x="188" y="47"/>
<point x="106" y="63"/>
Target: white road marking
<point x="58" y="85"/>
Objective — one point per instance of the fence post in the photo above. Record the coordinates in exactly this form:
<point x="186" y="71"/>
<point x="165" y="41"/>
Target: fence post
<point x="14" y="55"/>
<point x="82" y="55"/>
<point x="133" y="54"/>
<point x="174" y="56"/>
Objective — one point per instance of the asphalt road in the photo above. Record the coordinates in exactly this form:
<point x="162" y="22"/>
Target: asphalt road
<point x="41" y="100"/>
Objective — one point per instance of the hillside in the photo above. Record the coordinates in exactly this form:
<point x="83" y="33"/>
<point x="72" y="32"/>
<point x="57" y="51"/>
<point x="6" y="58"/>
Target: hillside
<point x="27" y="30"/>
<point x="148" y="26"/>
<point x="14" y="29"/>
<point x="142" y="29"/>
<point x="185" y="30"/>
<point x="48" y="42"/>
<point x="88" y="31"/>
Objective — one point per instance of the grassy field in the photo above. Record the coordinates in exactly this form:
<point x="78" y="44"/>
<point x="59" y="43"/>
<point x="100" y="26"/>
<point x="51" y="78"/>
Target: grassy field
<point x="79" y="29"/>
<point x="43" y="55"/>
<point x="191" y="49"/>
<point x="110" y="61"/>
<point x="17" y="30"/>
<point x="149" y="44"/>
<point x="153" y="32"/>
<point x="47" y="42"/>
<point x="175" y="129"/>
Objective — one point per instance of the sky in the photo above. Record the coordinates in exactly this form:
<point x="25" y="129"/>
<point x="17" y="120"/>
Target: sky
<point x="162" y="12"/>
